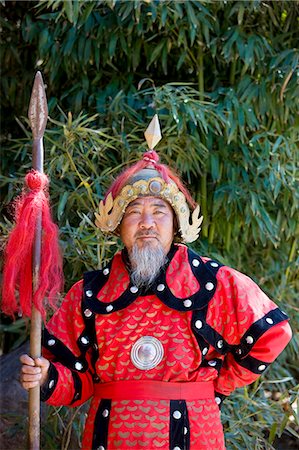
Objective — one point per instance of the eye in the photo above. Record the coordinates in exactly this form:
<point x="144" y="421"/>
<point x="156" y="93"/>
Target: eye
<point x="133" y="211"/>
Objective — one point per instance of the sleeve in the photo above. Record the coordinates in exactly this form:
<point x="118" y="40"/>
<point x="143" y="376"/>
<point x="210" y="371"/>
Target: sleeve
<point x="67" y="344"/>
<point x="254" y="331"/>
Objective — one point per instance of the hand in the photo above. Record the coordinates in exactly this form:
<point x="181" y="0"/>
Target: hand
<point x="34" y="372"/>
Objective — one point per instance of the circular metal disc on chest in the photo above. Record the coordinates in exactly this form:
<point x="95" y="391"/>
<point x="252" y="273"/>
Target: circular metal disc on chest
<point x="147" y="353"/>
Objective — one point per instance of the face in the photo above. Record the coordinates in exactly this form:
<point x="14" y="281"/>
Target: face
<point x="148" y="221"/>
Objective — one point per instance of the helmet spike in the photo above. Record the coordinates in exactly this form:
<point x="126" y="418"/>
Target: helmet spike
<point x="153" y="133"/>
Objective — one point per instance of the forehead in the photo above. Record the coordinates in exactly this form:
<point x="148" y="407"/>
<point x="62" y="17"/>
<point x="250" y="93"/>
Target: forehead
<point x="150" y="202"/>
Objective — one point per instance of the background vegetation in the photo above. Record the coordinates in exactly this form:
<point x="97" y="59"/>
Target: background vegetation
<point x="223" y="77"/>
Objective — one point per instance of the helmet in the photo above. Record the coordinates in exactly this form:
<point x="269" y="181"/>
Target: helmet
<point x="148" y="177"/>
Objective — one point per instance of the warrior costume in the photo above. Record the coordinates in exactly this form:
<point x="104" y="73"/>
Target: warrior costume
<point x="157" y="362"/>
<point x="213" y="328"/>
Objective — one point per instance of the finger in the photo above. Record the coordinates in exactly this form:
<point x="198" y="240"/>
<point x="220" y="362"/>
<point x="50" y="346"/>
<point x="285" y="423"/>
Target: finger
<point x="41" y="362"/>
<point x="30" y="385"/>
<point x="31" y="370"/>
<point x="31" y="377"/>
<point x="25" y="359"/>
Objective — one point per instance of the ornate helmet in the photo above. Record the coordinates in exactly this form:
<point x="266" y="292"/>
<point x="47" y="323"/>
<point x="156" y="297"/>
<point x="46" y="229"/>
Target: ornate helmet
<point x="151" y="179"/>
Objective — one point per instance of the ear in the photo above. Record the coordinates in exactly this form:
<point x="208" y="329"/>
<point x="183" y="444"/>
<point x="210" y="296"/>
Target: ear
<point x="175" y="225"/>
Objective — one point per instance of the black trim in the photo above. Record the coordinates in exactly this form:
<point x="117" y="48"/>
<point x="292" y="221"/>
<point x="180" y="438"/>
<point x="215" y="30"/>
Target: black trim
<point x="48" y="387"/>
<point x="179" y="428"/>
<point x="205" y="273"/>
<point x="250" y="338"/>
<point x="89" y="331"/>
<point x="77" y="387"/>
<point x="62" y="353"/>
<point x="213" y="363"/>
<point x="256" y="330"/>
<point x="252" y="364"/>
<point x="94" y="282"/>
<point x="208" y="333"/>
<point x="101" y="423"/>
<point x="221" y="398"/>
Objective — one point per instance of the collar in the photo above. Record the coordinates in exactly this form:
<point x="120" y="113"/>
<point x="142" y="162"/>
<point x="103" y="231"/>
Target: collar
<point x="178" y="256"/>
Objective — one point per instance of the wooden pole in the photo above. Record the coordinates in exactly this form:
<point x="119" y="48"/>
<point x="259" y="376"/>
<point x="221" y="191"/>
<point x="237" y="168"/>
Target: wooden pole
<point x="38" y="115"/>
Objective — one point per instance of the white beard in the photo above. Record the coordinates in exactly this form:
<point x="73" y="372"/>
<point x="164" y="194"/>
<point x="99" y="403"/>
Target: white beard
<point x="146" y="264"/>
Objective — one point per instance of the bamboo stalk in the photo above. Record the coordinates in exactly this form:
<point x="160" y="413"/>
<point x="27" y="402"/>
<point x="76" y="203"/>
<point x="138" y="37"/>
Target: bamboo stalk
<point x="200" y="69"/>
<point x="203" y="204"/>
<point x="291" y="256"/>
<point x="203" y="180"/>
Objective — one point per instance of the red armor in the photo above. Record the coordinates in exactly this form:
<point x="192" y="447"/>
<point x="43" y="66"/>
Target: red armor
<point x="206" y="325"/>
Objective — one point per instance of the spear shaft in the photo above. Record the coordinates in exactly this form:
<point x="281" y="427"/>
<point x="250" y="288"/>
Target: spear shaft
<point x="38" y="113"/>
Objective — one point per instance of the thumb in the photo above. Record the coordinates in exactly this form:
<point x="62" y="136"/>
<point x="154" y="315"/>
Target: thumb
<point x="42" y="362"/>
<point x="44" y="365"/>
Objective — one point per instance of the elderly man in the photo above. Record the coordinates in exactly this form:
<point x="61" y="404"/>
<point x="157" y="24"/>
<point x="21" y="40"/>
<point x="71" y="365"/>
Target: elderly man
<point x="161" y="335"/>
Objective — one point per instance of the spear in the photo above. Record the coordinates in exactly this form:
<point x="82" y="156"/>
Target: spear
<point x="38" y="116"/>
<point x="32" y="259"/>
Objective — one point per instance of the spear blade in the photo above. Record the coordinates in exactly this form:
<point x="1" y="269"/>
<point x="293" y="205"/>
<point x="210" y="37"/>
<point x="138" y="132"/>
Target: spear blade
<point x="38" y="108"/>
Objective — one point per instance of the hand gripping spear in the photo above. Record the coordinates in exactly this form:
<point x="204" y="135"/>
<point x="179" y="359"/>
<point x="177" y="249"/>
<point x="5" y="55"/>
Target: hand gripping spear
<point x="33" y="264"/>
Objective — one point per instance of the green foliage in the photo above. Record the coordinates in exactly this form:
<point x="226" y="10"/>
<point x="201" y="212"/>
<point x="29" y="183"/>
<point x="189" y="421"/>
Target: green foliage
<point x="224" y="79"/>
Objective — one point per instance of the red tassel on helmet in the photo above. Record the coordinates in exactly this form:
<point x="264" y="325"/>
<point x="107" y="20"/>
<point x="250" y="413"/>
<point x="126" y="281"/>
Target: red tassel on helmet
<point x="17" y="293"/>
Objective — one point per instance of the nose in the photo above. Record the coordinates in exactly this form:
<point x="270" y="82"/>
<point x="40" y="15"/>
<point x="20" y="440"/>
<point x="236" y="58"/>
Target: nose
<point x="146" y="221"/>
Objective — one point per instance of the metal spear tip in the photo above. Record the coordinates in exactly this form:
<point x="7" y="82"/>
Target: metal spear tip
<point x="38" y="107"/>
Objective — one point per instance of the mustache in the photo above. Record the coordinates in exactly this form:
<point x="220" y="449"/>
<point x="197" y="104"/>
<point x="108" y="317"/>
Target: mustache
<point x="145" y="233"/>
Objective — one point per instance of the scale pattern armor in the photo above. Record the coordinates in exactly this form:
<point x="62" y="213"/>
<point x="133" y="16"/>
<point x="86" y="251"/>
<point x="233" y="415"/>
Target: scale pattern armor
<point x="214" y="324"/>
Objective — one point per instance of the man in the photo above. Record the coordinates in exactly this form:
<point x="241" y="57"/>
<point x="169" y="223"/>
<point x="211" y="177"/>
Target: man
<point x="161" y="335"/>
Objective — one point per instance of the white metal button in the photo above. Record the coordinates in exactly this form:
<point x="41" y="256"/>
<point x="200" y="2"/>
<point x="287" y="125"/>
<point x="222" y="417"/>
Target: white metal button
<point x="198" y="324"/>
<point x="160" y="287"/>
<point x="195" y="262"/>
<point x="187" y="303"/>
<point x="249" y="340"/>
<point x="51" y="384"/>
<point x="84" y="340"/>
<point x="261" y="367"/>
<point x="220" y="343"/>
<point x="89" y="293"/>
<point x="105" y="413"/>
<point x="134" y="289"/>
<point x="177" y="414"/>
<point x="185" y="430"/>
<point x="212" y="363"/>
<point x="269" y="320"/>
<point x="87" y="312"/>
<point x="106" y="271"/>
<point x="209" y="286"/>
<point x="177" y="448"/>
<point x="214" y="264"/>
<point x="109" y="308"/>
<point x="205" y="351"/>
<point x="218" y="400"/>
<point x="101" y="447"/>
<point x="51" y="342"/>
<point x="78" y="365"/>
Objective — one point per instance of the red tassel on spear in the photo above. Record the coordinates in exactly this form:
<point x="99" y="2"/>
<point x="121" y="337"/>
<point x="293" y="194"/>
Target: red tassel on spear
<point x="33" y="263"/>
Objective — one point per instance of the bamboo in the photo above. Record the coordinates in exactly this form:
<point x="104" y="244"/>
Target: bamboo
<point x="291" y="257"/>
<point x="200" y="69"/>
<point x="203" y="204"/>
<point x="203" y="180"/>
<point x="38" y="114"/>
